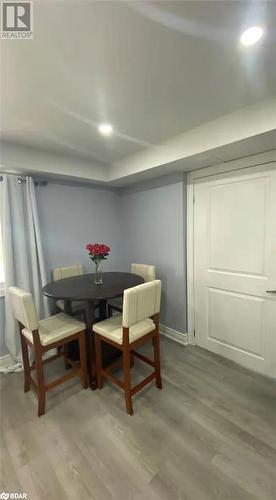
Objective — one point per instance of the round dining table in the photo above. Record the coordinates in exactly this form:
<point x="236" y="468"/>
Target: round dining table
<point x="83" y="288"/>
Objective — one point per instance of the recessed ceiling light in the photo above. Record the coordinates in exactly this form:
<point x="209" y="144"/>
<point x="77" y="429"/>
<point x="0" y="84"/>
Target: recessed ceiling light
<point x="251" y="35"/>
<point x="105" y="129"/>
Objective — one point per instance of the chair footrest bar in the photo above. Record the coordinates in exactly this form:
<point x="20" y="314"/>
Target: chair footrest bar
<point x="143" y="383"/>
<point x="114" y="364"/>
<point x="64" y="378"/>
<point x="112" y="379"/>
<point x="33" y="383"/>
<point x="48" y="360"/>
<point x="72" y="363"/>
<point x="143" y="358"/>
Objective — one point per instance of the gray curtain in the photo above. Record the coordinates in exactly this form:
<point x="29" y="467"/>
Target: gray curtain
<point x="22" y="250"/>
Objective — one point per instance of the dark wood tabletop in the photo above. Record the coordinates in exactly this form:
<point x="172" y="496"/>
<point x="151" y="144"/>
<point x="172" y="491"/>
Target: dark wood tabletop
<point x="84" y="289"/>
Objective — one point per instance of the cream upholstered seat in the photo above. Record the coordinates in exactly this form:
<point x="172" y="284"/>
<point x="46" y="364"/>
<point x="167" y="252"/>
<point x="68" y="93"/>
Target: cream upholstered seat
<point x="112" y="329"/>
<point x="55" y="328"/>
<point x="60" y="273"/>
<point x="148" y="272"/>
<point x="42" y="336"/>
<point x="138" y="323"/>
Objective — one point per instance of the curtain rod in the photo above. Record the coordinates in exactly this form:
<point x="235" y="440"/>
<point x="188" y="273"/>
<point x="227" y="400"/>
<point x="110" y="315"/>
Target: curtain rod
<point x="20" y="180"/>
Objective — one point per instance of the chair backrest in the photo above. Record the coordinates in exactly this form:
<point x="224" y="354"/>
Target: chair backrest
<point x="141" y="302"/>
<point x="147" y="272"/>
<point x="67" y="272"/>
<point x="23" y="307"/>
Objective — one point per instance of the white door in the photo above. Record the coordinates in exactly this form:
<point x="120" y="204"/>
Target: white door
<point x="235" y="266"/>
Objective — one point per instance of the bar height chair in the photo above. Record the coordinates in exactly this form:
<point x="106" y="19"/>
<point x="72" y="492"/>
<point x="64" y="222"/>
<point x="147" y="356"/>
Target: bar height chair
<point x="138" y="324"/>
<point x="60" y="273"/>
<point x="77" y="307"/>
<point x="42" y="336"/>
<point x="148" y="272"/>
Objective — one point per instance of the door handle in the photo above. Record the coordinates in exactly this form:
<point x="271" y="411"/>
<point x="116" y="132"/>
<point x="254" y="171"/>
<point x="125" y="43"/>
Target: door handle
<point x="271" y="291"/>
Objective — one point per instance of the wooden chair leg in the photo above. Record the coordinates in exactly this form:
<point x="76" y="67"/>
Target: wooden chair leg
<point x="98" y="352"/>
<point x="65" y="350"/>
<point x="40" y="381"/>
<point x="26" y="363"/>
<point x="131" y="359"/>
<point x="127" y="381"/>
<point x="156" y="350"/>
<point x="110" y="310"/>
<point x="84" y="316"/>
<point x="83" y="361"/>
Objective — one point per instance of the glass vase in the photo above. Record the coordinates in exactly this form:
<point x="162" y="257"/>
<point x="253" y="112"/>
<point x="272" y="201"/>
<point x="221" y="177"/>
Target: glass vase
<point x="98" y="279"/>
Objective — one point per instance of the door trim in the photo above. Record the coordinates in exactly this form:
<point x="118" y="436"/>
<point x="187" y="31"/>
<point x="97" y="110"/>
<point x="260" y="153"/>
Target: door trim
<point x="229" y="166"/>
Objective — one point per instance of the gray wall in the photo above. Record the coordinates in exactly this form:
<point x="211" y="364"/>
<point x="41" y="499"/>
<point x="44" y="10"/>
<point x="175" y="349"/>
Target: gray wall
<point x="154" y="224"/>
<point x="72" y="215"/>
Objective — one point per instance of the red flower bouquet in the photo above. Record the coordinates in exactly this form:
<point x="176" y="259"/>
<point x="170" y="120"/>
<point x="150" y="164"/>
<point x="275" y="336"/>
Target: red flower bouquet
<point x="97" y="253"/>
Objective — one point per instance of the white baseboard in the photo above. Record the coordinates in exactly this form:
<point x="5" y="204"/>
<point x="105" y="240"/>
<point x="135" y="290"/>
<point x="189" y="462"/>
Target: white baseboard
<point x="181" y="338"/>
<point x="6" y="361"/>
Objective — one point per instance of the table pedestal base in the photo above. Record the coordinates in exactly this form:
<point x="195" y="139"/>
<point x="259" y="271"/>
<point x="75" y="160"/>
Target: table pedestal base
<point x="109" y="353"/>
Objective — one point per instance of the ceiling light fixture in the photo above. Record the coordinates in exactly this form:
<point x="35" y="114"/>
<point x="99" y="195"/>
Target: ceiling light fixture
<point x="105" y="129"/>
<point x="251" y="35"/>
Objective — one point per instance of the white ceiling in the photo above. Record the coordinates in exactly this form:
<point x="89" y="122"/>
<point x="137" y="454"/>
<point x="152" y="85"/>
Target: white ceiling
<point x="154" y="70"/>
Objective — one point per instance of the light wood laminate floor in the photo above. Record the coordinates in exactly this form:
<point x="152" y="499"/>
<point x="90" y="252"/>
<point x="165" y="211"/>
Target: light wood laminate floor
<point x="210" y="434"/>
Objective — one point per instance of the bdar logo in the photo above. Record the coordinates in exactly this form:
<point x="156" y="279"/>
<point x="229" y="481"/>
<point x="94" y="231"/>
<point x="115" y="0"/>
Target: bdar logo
<point x="4" y="495"/>
<point x="13" y="496"/>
